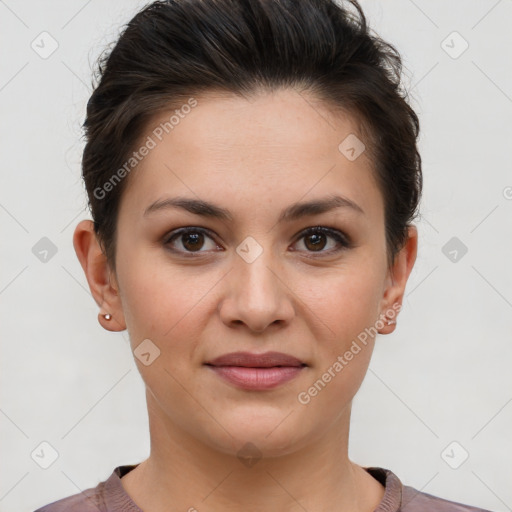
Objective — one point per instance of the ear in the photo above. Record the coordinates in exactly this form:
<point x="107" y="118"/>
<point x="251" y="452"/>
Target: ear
<point x="396" y="281"/>
<point x="102" y="280"/>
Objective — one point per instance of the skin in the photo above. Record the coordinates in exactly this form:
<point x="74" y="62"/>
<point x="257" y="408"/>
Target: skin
<point x="254" y="157"/>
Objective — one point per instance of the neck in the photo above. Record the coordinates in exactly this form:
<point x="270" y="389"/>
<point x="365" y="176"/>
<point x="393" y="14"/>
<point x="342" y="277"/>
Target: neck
<point x="189" y="475"/>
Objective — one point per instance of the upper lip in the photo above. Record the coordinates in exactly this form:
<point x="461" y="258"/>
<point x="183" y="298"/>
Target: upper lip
<point x="251" y="360"/>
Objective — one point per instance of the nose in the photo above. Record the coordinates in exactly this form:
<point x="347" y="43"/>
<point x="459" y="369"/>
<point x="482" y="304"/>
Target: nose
<point x="257" y="295"/>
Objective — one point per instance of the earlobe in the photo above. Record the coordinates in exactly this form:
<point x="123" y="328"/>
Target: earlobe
<point x="98" y="273"/>
<point x="109" y="323"/>
<point x="397" y="280"/>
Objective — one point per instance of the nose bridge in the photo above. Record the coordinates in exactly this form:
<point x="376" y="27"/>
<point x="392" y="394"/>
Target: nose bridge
<point x="253" y="268"/>
<point x="256" y="296"/>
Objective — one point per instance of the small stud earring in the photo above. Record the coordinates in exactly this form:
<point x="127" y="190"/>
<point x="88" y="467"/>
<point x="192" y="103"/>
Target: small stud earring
<point x="391" y="322"/>
<point x="107" y="316"/>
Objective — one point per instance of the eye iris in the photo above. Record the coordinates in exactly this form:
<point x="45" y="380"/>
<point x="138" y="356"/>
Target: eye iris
<point x="196" y="239"/>
<point x="317" y="241"/>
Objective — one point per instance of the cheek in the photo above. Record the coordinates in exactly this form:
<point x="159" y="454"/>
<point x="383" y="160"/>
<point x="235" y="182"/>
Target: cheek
<point x="162" y="302"/>
<point x="347" y="309"/>
<point x="347" y="302"/>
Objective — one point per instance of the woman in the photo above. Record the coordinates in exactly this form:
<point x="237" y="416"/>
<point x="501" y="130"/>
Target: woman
<point x="252" y="173"/>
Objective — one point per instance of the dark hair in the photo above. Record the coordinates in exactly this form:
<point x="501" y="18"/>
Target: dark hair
<point x="172" y="50"/>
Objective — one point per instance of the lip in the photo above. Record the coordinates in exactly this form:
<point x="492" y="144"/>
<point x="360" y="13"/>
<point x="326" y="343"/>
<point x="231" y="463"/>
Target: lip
<point x="251" y="371"/>
<point x="251" y="360"/>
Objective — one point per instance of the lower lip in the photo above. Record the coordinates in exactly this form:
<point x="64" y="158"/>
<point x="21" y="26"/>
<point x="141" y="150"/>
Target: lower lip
<point x="257" y="378"/>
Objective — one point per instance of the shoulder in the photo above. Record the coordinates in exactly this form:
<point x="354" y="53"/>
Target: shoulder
<point x="90" y="500"/>
<point x="107" y="496"/>
<point x="403" y="498"/>
<point x="417" y="501"/>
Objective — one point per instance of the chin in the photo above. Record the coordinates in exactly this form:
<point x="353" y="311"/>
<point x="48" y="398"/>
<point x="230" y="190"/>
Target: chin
<point x="260" y="433"/>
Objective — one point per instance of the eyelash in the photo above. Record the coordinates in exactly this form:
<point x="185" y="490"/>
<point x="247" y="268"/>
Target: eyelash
<point x="343" y="240"/>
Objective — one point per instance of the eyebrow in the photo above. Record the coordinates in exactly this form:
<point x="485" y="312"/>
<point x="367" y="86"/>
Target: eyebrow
<point x="292" y="212"/>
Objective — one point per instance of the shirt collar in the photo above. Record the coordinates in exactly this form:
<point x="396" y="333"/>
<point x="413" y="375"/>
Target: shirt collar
<point x="117" y="499"/>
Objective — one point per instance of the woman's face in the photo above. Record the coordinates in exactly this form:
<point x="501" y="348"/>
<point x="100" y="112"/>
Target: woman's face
<point x="251" y="279"/>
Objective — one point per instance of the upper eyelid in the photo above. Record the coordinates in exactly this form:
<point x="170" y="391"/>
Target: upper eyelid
<point x="325" y="229"/>
<point x="181" y="231"/>
<point x="340" y="236"/>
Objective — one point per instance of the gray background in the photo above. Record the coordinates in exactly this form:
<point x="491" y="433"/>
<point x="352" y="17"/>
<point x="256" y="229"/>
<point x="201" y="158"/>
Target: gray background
<point x="442" y="376"/>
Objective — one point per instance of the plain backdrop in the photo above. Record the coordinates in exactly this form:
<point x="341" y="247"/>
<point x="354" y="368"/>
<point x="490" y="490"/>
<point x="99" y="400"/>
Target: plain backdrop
<point x="439" y="389"/>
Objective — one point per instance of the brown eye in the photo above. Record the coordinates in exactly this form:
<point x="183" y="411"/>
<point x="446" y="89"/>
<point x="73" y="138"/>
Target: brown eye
<point x="316" y="239"/>
<point x="190" y="240"/>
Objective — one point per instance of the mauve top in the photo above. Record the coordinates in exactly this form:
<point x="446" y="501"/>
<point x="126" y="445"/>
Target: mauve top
<point x="110" y="496"/>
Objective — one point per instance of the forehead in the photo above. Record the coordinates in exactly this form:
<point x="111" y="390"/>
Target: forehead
<point x="280" y="145"/>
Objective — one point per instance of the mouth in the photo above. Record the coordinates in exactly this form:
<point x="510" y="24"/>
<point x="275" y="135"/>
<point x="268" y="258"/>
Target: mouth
<point x="250" y="371"/>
